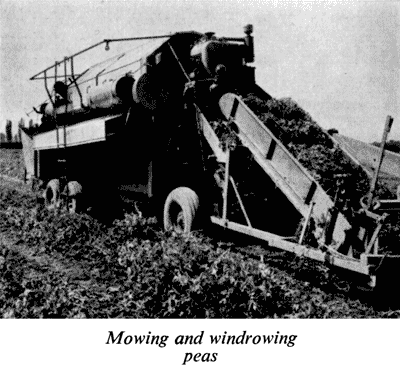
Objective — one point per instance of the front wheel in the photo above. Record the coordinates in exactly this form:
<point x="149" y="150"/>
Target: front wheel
<point x="180" y="210"/>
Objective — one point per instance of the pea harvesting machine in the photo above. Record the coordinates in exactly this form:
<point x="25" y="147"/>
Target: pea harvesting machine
<point x="157" y="123"/>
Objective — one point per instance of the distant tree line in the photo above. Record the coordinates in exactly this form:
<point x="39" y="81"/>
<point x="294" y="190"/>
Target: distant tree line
<point x="390" y="145"/>
<point x="10" y="139"/>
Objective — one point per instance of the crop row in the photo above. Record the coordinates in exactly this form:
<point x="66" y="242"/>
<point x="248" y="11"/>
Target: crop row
<point x="11" y="163"/>
<point x="76" y="267"/>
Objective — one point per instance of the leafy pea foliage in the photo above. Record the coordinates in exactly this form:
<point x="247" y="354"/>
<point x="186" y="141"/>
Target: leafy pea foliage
<point x="72" y="266"/>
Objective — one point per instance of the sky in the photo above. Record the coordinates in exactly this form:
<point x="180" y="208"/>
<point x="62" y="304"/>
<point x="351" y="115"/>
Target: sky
<point x="338" y="59"/>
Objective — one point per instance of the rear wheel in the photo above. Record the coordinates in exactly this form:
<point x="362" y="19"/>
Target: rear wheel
<point x="180" y="210"/>
<point x="52" y="194"/>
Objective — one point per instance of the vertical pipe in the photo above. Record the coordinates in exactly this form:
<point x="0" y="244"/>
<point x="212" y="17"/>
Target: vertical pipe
<point x="388" y="126"/>
<point x="74" y="80"/>
<point x="226" y="185"/>
<point x="47" y="89"/>
<point x="36" y="163"/>
<point x="150" y="180"/>
<point x="66" y="104"/>
<point x="65" y="70"/>
<point x="58" y="136"/>
<point x="249" y="42"/>
<point x="54" y="109"/>
<point x="72" y="68"/>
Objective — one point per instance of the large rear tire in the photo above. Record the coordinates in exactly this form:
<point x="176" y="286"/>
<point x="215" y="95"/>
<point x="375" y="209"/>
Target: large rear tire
<point x="180" y="210"/>
<point x="52" y="194"/>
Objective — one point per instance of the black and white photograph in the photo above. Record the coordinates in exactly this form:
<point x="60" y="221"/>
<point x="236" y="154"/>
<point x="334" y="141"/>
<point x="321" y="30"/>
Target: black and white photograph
<point x="191" y="182"/>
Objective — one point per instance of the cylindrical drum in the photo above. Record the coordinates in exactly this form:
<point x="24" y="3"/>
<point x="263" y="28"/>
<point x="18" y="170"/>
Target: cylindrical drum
<point x="144" y="92"/>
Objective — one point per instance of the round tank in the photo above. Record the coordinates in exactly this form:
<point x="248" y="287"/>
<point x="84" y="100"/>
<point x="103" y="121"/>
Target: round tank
<point x="143" y="92"/>
<point x="212" y="53"/>
<point x="111" y="93"/>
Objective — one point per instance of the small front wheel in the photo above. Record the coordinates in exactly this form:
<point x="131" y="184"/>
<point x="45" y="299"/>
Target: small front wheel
<point x="180" y="210"/>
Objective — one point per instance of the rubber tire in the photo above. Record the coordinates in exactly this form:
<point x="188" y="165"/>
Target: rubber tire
<point x="73" y="191"/>
<point x="52" y="194"/>
<point x="182" y="202"/>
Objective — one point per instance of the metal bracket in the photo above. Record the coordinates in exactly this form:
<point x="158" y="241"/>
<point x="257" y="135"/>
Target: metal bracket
<point x="306" y="222"/>
<point x="373" y="242"/>
<point x="240" y="201"/>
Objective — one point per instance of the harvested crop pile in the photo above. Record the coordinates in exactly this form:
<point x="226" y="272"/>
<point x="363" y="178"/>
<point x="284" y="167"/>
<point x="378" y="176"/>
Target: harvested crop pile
<point x="326" y="162"/>
<point x="313" y="147"/>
